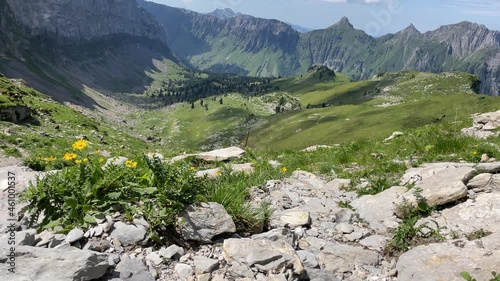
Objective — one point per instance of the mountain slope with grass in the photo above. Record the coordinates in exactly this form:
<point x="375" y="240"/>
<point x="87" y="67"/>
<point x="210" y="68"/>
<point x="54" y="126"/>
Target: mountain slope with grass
<point x="70" y="49"/>
<point x="319" y="107"/>
<point x="248" y="45"/>
<point x="40" y="130"/>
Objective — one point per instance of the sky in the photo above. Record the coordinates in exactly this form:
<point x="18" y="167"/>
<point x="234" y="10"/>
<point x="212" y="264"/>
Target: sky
<point x="376" y="17"/>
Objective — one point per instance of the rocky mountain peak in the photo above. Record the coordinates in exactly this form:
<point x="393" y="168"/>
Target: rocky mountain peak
<point x="411" y="28"/>
<point x="225" y="13"/>
<point x="344" y="21"/>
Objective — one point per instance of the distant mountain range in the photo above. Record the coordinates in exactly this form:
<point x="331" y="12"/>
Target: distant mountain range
<point x="64" y="46"/>
<point x="264" y="47"/>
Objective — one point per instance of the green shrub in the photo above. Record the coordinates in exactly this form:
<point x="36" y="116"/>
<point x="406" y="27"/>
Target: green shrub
<point x="468" y="277"/>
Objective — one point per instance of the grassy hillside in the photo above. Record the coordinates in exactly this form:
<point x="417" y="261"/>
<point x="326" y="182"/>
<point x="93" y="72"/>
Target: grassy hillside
<point x="53" y="127"/>
<point x="317" y="110"/>
<point x="371" y="108"/>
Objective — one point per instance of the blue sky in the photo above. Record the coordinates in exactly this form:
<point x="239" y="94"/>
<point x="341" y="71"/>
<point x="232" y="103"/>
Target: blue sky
<point x="376" y="17"/>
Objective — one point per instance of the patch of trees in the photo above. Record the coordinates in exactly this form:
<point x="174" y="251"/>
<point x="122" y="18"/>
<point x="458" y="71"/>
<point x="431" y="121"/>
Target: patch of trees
<point x="196" y="88"/>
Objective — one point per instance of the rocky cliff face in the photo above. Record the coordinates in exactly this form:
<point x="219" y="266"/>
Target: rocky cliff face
<point x="85" y="20"/>
<point x="65" y="47"/>
<point x="231" y="44"/>
<point x="465" y="38"/>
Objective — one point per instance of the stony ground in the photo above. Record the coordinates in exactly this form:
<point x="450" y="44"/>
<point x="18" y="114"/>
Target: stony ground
<point x="318" y="231"/>
<point x="310" y="236"/>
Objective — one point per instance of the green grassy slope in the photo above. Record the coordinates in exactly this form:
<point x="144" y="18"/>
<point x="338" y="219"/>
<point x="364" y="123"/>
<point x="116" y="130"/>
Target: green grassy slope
<point x="315" y="112"/>
<point x="54" y="127"/>
<point x="372" y="109"/>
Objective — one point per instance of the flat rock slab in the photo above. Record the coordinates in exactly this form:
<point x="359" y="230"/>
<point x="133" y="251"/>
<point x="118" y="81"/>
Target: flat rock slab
<point x="441" y="183"/>
<point x="246" y="168"/>
<point x="224" y="154"/>
<point x="23" y="176"/>
<point x="205" y="221"/>
<point x="133" y="270"/>
<point x="429" y="170"/>
<point x="344" y="258"/>
<point x="378" y="210"/>
<point x="315" y="147"/>
<point x="34" y="263"/>
<point x="263" y="255"/>
<point x="128" y="234"/>
<point x="483" y="212"/>
<point x="445" y="261"/>
<point x="294" y="218"/>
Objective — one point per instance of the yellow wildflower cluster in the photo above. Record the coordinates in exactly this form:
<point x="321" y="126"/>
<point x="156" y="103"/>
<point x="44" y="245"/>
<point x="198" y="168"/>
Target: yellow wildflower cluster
<point x="130" y="164"/>
<point x="48" y="159"/>
<point x="69" y="156"/>
<point x="80" y="144"/>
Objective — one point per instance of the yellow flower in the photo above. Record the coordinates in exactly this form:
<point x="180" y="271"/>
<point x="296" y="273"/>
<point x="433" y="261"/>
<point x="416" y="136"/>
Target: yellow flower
<point x="474" y="153"/>
<point x="48" y="159"/>
<point x="131" y="164"/>
<point x="101" y="160"/>
<point x="98" y="152"/>
<point x="193" y="168"/>
<point x="85" y="160"/>
<point x="78" y="161"/>
<point x="284" y="169"/>
<point x="69" y="156"/>
<point x="218" y="173"/>
<point x="80" y="144"/>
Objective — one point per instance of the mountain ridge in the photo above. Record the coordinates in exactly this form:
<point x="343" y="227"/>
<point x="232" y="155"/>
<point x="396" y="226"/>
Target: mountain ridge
<point x="464" y="47"/>
<point x="80" y="47"/>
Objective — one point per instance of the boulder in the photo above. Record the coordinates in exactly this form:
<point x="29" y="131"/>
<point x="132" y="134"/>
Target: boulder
<point x="34" y="263"/>
<point x="445" y="261"/>
<point x="441" y="183"/>
<point x="378" y="210"/>
<point x="490" y="168"/>
<point x="133" y="270"/>
<point x="15" y="113"/>
<point x="374" y="242"/>
<point x="221" y="154"/>
<point x="344" y="258"/>
<point x="394" y="135"/>
<point x="205" y="221"/>
<point x="308" y="259"/>
<point x="172" y="252"/>
<point x="263" y="255"/>
<point x="315" y="147"/>
<point x="276" y="234"/>
<point x="210" y="173"/>
<point x="183" y="270"/>
<point x="74" y="235"/>
<point x="294" y="218"/>
<point x="23" y="176"/>
<point x="128" y="234"/>
<point x="484" y="125"/>
<point x="204" y="265"/>
<point x="479" y="181"/>
<point x="483" y="212"/>
<point x="115" y="161"/>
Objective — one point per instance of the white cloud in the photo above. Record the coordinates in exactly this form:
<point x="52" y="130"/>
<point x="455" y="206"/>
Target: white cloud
<point x="368" y="2"/>
<point x="477" y="7"/>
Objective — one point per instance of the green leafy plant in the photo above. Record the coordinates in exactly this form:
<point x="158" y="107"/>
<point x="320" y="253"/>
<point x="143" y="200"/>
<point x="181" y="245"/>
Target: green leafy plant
<point x="408" y="233"/>
<point x="466" y="275"/>
<point x="477" y="234"/>
<point x="77" y="194"/>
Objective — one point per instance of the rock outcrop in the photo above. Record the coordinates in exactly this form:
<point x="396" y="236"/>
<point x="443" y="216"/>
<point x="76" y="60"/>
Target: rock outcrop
<point x="484" y="125"/>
